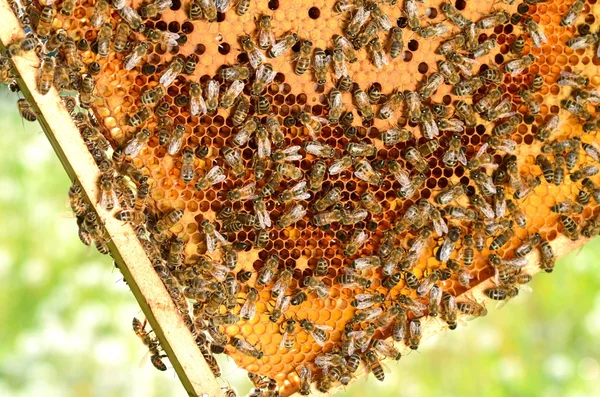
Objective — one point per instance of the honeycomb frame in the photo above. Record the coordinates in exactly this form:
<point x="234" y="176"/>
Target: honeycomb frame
<point x="561" y="245"/>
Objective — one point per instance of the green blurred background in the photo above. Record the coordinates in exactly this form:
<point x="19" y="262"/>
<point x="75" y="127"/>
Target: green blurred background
<point x="65" y="314"/>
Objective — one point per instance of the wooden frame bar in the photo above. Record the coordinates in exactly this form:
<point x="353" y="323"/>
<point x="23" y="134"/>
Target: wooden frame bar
<point x="148" y="289"/>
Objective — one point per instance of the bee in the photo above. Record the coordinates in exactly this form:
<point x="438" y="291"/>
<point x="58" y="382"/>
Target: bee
<point x="242" y="7"/>
<point x="455" y="153"/>
<point x="484" y="182"/>
<point x="264" y="77"/>
<point x="376" y="53"/>
<point x="357" y="240"/>
<point x="364" y="171"/>
<point x="429" y="127"/>
<point x="100" y="15"/>
<point x="212" y="236"/>
<point x="243" y="193"/>
<point x="212" y="177"/>
<point x="94" y="229"/>
<point x="362" y="103"/>
<point x="255" y="56"/>
<point x="284" y="43"/>
<point x="291" y="216"/>
<point x="434" y="30"/>
<point x="490" y="21"/>
<point x="501" y="239"/>
<point x="409" y="190"/>
<point x="315" y="285"/>
<point x="318" y="332"/>
<point x="485" y="48"/>
<point x="503" y="144"/>
<point x="393" y="136"/>
<point x="351" y="279"/>
<point x="320" y="66"/>
<point x="414" y="334"/>
<point x="466" y="113"/>
<point x="434" y="81"/>
<point x="588" y="171"/>
<point x="233" y="159"/>
<point x="361" y="15"/>
<point x="198" y="105"/>
<point x="453" y="15"/>
<point x="583" y="42"/>
<point x="501" y="293"/>
<point x="264" y="32"/>
<point x="303" y="60"/>
<point x="517" y="65"/>
<point x="108" y="195"/>
<point x="469" y="86"/>
<point x="176" y="140"/>
<point x="46" y="78"/>
<point x="312" y="123"/>
<point x="45" y="22"/>
<point x="546" y="167"/>
<point x="305" y="376"/>
<point x="570" y="227"/>
<point x="451" y="45"/>
<point x="246" y="348"/>
<point x="134" y="145"/>
<point x="129" y="15"/>
<point x="135" y="56"/>
<point x="415" y="157"/>
<point x="575" y="108"/>
<point x="449" y="244"/>
<point x="533" y="106"/>
<point x="56" y="41"/>
<point x="355" y="149"/>
<point x="396" y="42"/>
<point x="472" y="308"/>
<point x="548" y="259"/>
<point x="21" y="46"/>
<point x="364" y="301"/>
<point x="339" y="63"/>
<point x="491" y="99"/>
<point x="391" y="105"/>
<point x="534" y="31"/>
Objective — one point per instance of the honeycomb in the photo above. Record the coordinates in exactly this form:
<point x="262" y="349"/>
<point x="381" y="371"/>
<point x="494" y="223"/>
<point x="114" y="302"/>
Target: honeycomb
<point x="400" y="206"/>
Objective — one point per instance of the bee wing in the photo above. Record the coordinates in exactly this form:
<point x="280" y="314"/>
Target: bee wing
<point x="108" y="199"/>
<point x="235" y="88"/>
<point x="198" y="106"/>
<point x="222" y="5"/>
<point x="211" y="243"/>
<point x="264" y="219"/>
<point x="324" y="327"/>
<point x="215" y="175"/>
<point x="132" y="149"/>
<point x="298" y="212"/>
<point x="278" y="48"/>
<point x="340" y="69"/>
<point x="248" y="310"/>
<point x="264" y="147"/>
<point x="517" y="262"/>
<point x="256" y="58"/>
<point x="338" y="166"/>
<point x="174" y="146"/>
<point x="440" y="227"/>
<point x="219" y="272"/>
<point x="132" y="60"/>
<point x="170" y="38"/>
<point x="212" y="89"/>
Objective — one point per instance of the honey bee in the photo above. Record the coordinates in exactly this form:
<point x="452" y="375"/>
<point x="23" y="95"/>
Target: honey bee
<point x="235" y="72"/>
<point x="288" y="340"/>
<point x="303" y="60"/>
<point x="466" y="113"/>
<point x="548" y="259"/>
<point x="20" y="47"/>
<point x="469" y="86"/>
<point x="305" y="376"/>
<point x="284" y="43"/>
<point x="414" y="334"/>
<point x="451" y="45"/>
<point x="537" y="36"/>
<point x="453" y="15"/>
<point x="246" y="192"/>
<point x="198" y="105"/>
<point x="485" y="48"/>
<point x="357" y="240"/>
<point x="503" y="110"/>
<point x="376" y="53"/>
<point x="100" y="15"/>
<point x="350" y="279"/>
<point x="533" y="106"/>
<point x="255" y="56"/>
<point x="393" y="136"/>
<point x="133" y="147"/>
<point x="570" y="227"/>
<point x="455" y="153"/>
<point x="518" y="45"/>
<point x="128" y="14"/>
<point x="135" y="56"/>
<point x="396" y="42"/>
<point x="233" y="159"/>
<point x="361" y="15"/>
<point x="409" y="190"/>
<point x="364" y="171"/>
<point x="501" y="293"/>
<point x="503" y="144"/>
<point x="414" y="157"/>
<point x="517" y="65"/>
<point x="429" y="127"/>
<point x="264" y="77"/>
<point x="45" y="22"/>
<point x="450" y="310"/>
<point x="370" y="203"/>
<point x="584" y="172"/>
<point x="434" y="81"/>
<point x="320" y="66"/>
<point x="434" y="30"/>
<point x="151" y="342"/>
<point x="362" y="103"/>
<point x="291" y="216"/>
<point x="365" y="262"/>
<point x="176" y="140"/>
<point x="212" y="177"/>
<point x="318" y="286"/>
<point x="578" y="109"/>
<point x="391" y="105"/>
<point x="449" y="244"/>
<point x="46" y="78"/>
<point x="93" y="228"/>
<point x="472" y="309"/>
<point x="108" y="196"/>
<point x="312" y="123"/>
<point x="246" y="348"/>
<point x="492" y="20"/>
<point x="489" y="100"/>
<point x="364" y="301"/>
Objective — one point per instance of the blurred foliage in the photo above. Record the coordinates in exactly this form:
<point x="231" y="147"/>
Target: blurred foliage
<point x="65" y="314"/>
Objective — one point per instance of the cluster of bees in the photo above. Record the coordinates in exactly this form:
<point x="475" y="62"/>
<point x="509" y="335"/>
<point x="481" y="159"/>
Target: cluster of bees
<point x="456" y="226"/>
